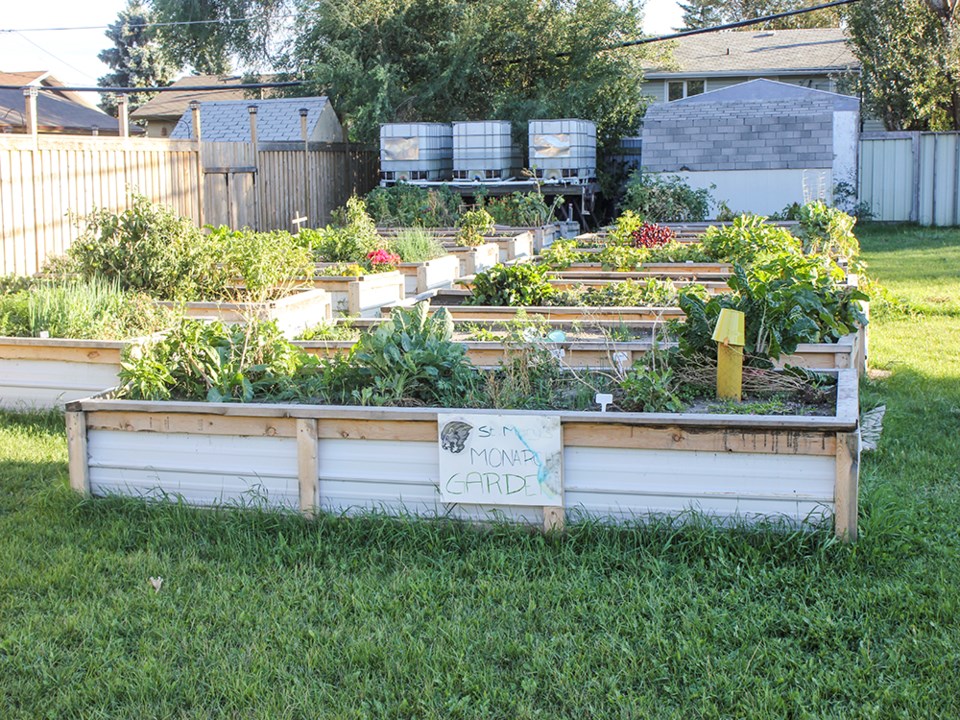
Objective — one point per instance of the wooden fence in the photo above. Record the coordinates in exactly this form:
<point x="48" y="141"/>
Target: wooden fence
<point x="48" y="182"/>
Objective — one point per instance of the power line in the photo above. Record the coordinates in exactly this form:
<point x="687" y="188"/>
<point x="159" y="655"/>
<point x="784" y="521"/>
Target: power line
<point x="164" y="88"/>
<point x="687" y="33"/>
<point x="60" y="60"/>
<point x="171" y="23"/>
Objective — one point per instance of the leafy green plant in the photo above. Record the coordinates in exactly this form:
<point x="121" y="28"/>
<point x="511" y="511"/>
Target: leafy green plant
<point x="405" y="205"/>
<point x="473" y="226"/>
<point x="521" y="209"/>
<point x="411" y="359"/>
<point x="786" y="299"/>
<point x="349" y="238"/>
<point x="340" y="269"/>
<point x="561" y="255"/>
<point x="342" y="329"/>
<point x="147" y="248"/>
<point x="665" y="198"/>
<point x="415" y="244"/>
<point x="511" y="285"/>
<point x="628" y="293"/>
<point x="677" y="252"/>
<point x="647" y="387"/>
<point x="828" y="230"/>
<point x="746" y="238"/>
<point x="622" y="258"/>
<point x="266" y="264"/>
<point x="214" y="362"/>
<point x="623" y="229"/>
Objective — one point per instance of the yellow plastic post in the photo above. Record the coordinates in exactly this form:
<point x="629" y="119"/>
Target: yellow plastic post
<point x="729" y="338"/>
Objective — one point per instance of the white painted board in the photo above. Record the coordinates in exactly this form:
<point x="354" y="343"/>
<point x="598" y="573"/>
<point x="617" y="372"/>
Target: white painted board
<point x="500" y="459"/>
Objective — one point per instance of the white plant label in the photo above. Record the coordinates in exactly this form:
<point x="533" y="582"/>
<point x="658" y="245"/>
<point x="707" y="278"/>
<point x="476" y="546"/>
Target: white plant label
<point x="500" y="459"/>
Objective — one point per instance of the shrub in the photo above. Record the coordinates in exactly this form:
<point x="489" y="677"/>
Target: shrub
<point x="147" y="248"/>
<point x="749" y="236"/>
<point x="474" y="225"/>
<point x="665" y="198"/>
<point x="266" y="264"/>
<point x="511" y="285"/>
<point x="404" y="205"/>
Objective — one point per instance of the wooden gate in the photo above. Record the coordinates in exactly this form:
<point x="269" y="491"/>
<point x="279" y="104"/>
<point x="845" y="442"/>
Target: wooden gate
<point x="230" y="179"/>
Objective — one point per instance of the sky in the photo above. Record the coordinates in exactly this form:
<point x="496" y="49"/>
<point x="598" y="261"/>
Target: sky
<point x="72" y="55"/>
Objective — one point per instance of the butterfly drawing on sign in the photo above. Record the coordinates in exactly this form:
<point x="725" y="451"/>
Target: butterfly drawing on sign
<point x="454" y="436"/>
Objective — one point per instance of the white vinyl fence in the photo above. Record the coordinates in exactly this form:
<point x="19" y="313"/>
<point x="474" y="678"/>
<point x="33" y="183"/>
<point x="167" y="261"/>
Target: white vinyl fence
<point x="911" y="176"/>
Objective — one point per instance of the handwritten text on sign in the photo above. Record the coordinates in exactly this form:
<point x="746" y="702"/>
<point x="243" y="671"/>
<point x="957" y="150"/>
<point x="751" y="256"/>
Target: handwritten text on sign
<point x="500" y="459"/>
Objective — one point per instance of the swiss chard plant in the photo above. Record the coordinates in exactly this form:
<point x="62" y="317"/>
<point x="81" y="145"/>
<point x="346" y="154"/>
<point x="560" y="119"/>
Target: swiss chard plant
<point x="512" y="285"/>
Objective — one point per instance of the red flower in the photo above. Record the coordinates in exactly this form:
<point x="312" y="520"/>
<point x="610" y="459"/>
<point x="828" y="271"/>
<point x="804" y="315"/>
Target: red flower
<point x="651" y="236"/>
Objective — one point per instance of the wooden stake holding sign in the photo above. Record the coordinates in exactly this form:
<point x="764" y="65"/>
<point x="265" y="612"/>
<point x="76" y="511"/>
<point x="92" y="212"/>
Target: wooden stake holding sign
<point x="729" y="337"/>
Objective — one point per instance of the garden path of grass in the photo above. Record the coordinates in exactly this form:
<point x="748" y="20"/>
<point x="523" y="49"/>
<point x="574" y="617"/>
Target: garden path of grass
<point x="265" y="616"/>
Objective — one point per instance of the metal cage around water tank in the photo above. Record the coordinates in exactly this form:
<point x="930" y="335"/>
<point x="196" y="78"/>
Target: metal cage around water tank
<point x="416" y="151"/>
<point x="563" y="150"/>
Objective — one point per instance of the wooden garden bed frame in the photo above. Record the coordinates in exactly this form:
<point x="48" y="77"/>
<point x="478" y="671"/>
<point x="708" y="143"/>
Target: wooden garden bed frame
<point x="616" y="466"/>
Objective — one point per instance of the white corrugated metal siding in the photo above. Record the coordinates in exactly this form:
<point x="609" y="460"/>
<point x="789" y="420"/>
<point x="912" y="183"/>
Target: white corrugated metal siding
<point x="886" y="177"/>
<point x="623" y="484"/>
<point x="48" y="384"/>
<point x="202" y="469"/>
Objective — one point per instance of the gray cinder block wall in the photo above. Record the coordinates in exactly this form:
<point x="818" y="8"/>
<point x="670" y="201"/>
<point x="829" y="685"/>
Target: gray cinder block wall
<point x="760" y="125"/>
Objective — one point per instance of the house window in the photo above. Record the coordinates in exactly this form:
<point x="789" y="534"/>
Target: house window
<point x="679" y="89"/>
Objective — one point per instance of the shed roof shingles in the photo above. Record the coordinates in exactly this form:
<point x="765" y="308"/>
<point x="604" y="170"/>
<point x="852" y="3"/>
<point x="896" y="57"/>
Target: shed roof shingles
<point x="278" y="120"/>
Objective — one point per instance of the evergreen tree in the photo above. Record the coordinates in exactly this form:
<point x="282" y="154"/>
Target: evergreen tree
<point x="701" y="13"/>
<point x="136" y="57"/>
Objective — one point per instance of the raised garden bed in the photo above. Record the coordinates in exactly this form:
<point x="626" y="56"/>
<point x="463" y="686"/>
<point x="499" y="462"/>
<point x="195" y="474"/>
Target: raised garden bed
<point x="364" y="295"/>
<point x="293" y="313"/>
<point x="421" y="277"/>
<point x="452" y="300"/>
<point x="599" y="354"/>
<point x="613" y="466"/>
<point x="46" y="373"/>
<point x="475" y="259"/>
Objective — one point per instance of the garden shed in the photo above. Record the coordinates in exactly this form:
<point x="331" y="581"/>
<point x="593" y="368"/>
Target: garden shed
<point x="762" y="144"/>
<point x="278" y="120"/>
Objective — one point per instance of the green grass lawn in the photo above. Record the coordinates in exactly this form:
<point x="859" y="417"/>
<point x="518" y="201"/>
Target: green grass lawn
<point x="267" y="616"/>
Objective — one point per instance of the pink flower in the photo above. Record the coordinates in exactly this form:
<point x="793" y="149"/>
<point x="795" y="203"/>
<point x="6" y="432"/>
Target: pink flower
<point x="383" y="257"/>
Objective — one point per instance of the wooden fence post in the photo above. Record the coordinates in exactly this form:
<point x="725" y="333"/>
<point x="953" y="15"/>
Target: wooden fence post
<point x="307" y="465"/>
<point x="79" y="465"/>
<point x="198" y="138"/>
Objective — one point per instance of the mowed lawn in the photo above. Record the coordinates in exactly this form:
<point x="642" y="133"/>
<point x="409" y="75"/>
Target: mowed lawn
<point x="268" y="616"/>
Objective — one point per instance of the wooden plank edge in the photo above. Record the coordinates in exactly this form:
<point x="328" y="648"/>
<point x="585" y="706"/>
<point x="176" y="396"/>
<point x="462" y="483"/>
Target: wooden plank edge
<point x="847" y="486"/>
<point x="307" y="474"/>
<point x="77" y="459"/>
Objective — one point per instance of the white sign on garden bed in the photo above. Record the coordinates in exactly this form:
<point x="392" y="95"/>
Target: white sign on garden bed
<point x="500" y="459"/>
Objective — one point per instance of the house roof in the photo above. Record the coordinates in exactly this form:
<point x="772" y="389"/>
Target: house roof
<point x="278" y="120"/>
<point x="759" y="52"/>
<point x="54" y="114"/>
<point x="171" y="105"/>
<point x="766" y="91"/>
<point x="42" y="78"/>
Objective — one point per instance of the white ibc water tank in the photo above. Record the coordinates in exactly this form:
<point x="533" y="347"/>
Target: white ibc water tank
<point x="416" y="151"/>
<point x="484" y="151"/>
<point x="563" y="150"/>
